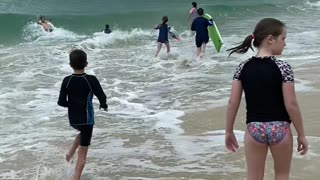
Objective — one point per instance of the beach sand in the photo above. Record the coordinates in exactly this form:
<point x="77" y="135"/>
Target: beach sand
<point x="303" y="167"/>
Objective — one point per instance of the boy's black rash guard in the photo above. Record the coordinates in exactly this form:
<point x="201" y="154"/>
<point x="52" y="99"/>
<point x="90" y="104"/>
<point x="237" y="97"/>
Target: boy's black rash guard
<point x="76" y="93"/>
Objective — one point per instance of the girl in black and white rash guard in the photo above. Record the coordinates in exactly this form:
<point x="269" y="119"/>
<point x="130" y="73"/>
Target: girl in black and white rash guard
<point x="268" y="84"/>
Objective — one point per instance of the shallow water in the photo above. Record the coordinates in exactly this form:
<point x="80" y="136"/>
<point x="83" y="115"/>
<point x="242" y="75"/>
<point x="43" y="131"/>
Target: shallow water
<point x="140" y="137"/>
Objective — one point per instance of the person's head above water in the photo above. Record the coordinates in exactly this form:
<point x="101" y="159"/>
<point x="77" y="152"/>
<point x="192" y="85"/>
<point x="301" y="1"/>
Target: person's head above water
<point x="42" y="18"/>
<point x="194" y="4"/>
<point x="78" y="59"/>
<point x="200" y="11"/>
<point x="269" y="33"/>
<point x="107" y="26"/>
<point x="164" y="19"/>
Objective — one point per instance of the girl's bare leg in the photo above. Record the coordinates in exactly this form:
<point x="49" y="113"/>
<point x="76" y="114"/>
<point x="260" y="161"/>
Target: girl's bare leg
<point x="256" y="154"/>
<point x="159" y="45"/>
<point x="282" y="155"/>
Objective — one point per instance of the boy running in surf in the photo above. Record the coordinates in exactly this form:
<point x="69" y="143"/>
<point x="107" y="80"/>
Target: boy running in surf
<point x="76" y="94"/>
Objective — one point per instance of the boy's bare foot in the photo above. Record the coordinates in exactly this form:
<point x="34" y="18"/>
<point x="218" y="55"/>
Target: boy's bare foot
<point x="201" y="55"/>
<point x="68" y="157"/>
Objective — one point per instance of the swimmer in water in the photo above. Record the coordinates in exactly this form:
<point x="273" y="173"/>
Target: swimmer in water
<point x="46" y="26"/>
<point x="107" y="29"/>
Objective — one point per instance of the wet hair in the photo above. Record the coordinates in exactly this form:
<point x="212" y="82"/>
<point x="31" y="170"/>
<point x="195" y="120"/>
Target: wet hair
<point x="200" y="11"/>
<point x="107" y="26"/>
<point x="164" y="19"/>
<point x="194" y="4"/>
<point x="41" y="18"/>
<point x="264" y="28"/>
<point x="78" y="59"/>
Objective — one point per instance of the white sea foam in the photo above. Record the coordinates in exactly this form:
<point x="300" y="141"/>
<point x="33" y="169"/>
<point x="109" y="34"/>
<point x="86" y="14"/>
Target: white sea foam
<point x="313" y="4"/>
<point x="100" y="39"/>
<point x="34" y="32"/>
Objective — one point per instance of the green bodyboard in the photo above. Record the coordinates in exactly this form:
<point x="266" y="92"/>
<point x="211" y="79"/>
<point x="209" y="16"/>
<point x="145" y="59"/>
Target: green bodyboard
<point x="214" y="34"/>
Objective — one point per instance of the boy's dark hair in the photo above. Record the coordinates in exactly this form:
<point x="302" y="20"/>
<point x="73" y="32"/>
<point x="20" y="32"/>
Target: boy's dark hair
<point x="194" y="4"/>
<point x="78" y="59"/>
<point x="200" y="11"/>
<point x="164" y="19"/>
<point x="107" y="26"/>
<point x="264" y="28"/>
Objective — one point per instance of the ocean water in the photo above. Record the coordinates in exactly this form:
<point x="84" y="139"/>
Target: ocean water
<point x="140" y="137"/>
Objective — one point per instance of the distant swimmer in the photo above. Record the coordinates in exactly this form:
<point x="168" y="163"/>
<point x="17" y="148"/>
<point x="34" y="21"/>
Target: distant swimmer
<point x="107" y="30"/>
<point x="193" y="14"/>
<point x="46" y="26"/>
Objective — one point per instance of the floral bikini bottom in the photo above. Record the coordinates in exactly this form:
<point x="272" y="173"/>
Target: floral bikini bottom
<point x="268" y="132"/>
